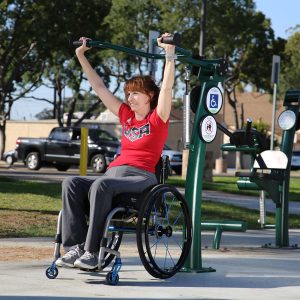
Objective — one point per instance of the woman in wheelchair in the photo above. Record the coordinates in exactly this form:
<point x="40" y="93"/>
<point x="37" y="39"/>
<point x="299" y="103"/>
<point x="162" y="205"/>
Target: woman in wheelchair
<point x="144" y="117"/>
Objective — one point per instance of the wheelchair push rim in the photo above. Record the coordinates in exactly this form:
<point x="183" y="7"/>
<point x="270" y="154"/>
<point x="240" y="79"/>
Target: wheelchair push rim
<point x="164" y="232"/>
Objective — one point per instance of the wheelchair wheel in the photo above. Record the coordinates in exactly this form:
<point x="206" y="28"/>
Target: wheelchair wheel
<point x="113" y="242"/>
<point x="164" y="231"/>
<point x="52" y="272"/>
<point x="112" y="279"/>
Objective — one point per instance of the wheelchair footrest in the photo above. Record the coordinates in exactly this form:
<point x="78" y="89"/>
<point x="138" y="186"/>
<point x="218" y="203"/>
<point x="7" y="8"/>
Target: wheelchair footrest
<point x="111" y="251"/>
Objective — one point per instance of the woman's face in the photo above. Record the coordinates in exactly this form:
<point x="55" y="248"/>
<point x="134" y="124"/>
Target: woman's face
<point x="138" y="101"/>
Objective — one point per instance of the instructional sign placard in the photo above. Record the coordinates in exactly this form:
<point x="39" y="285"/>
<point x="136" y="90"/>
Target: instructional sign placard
<point x="214" y="100"/>
<point x="208" y="129"/>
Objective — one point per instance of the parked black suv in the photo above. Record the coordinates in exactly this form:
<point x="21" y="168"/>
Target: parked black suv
<point x="62" y="149"/>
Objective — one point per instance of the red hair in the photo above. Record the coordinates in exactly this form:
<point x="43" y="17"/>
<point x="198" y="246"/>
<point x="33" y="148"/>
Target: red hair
<point x="143" y="84"/>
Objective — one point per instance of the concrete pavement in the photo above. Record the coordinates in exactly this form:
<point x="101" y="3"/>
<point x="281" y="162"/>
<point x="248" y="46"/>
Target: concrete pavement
<point x="244" y="270"/>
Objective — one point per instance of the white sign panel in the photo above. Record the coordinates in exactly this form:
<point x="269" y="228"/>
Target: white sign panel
<point x="208" y="129"/>
<point x="214" y="100"/>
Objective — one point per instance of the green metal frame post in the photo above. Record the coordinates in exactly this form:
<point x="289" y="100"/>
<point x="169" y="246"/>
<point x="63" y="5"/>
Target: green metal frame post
<point x="195" y="172"/>
<point x="291" y="102"/>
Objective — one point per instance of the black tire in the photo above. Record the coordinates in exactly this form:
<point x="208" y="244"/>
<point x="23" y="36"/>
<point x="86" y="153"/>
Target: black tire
<point x="52" y="273"/>
<point x="62" y="168"/>
<point x="112" y="280"/>
<point x="178" y="170"/>
<point x="9" y="160"/>
<point x="164" y="231"/>
<point x="98" y="163"/>
<point x="114" y="243"/>
<point x="33" y="161"/>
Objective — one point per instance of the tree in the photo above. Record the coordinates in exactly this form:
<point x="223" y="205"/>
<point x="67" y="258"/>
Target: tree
<point x="245" y="38"/>
<point x="88" y="103"/>
<point x="62" y="69"/>
<point x="18" y="56"/>
<point x="290" y="75"/>
<point x="134" y="17"/>
<point x="234" y="31"/>
<point x="41" y="51"/>
<point x="237" y="32"/>
<point x="45" y="114"/>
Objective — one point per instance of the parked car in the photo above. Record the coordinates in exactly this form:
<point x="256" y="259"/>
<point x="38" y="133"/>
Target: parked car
<point x="175" y="158"/>
<point x="10" y="157"/>
<point x="295" y="162"/>
<point x="62" y="149"/>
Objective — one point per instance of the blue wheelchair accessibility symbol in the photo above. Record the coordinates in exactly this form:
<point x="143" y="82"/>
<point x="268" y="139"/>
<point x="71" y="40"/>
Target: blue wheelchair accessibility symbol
<point x="213" y="100"/>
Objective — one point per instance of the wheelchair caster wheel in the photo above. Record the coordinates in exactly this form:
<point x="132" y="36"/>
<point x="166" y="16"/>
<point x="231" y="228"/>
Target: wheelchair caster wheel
<point x="51" y="272"/>
<point x="112" y="279"/>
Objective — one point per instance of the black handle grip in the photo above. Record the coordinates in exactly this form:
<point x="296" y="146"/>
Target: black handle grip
<point x="77" y="44"/>
<point x="248" y="126"/>
<point x="247" y="131"/>
<point x="174" y="39"/>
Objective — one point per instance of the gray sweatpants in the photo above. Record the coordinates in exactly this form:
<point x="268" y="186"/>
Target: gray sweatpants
<point x="90" y="198"/>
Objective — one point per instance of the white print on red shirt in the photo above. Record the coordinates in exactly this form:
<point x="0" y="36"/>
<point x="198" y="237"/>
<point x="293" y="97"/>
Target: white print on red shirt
<point x="136" y="133"/>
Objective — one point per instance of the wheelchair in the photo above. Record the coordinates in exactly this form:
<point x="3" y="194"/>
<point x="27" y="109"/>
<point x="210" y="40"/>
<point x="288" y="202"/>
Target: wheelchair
<point x="161" y="221"/>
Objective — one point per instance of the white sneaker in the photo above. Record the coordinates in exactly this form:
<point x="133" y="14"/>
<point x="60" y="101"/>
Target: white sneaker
<point x="87" y="261"/>
<point x="69" y="258"/>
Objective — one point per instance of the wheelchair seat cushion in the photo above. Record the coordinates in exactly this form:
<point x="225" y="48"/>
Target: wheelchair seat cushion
<point x="130" y="200"/>
<point x="126" y="200"/>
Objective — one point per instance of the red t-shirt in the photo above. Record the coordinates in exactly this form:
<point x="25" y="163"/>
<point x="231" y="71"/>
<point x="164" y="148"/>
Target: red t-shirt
<point x="142" y="141"/>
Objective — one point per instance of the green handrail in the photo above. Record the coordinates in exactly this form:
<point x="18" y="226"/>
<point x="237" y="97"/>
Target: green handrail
<point x="208" y="66"/>
<point x="229" y="147"/>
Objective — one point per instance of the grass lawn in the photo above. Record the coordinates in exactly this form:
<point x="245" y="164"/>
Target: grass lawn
<point x="228" y="184"/>
<point x="30" y="209"/>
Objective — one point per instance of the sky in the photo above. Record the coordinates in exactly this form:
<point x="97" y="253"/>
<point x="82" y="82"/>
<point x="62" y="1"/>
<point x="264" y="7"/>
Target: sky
<point x="283" y="15"/>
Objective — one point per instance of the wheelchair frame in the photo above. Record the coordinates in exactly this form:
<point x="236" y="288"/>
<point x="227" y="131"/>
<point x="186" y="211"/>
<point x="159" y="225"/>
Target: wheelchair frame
<point x="160" y="213"/>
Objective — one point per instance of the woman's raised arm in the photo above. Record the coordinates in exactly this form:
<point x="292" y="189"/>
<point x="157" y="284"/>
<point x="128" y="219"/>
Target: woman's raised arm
<point x="165" y="96"/>
<point x="108" y="99"/>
